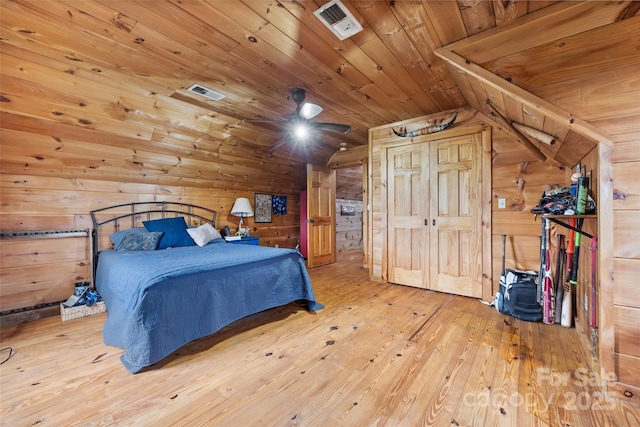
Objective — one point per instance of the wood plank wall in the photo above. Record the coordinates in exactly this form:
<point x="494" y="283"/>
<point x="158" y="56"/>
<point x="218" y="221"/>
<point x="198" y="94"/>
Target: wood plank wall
<point x="626" y="262"/>
<point x="348" y="228"/>
<point x="41" y="271"/>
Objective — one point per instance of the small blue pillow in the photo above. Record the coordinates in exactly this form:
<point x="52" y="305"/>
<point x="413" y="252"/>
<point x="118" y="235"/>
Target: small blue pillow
<point x="174" y="229"/>
<point x="140" y="241"/>
<point x="117" y="237"/>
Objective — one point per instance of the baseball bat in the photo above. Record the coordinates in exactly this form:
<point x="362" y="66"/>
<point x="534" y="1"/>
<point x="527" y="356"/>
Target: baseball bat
<point x="559" y="289"/>
<point x="547" y="313"/>
<point x="566" y="314"/>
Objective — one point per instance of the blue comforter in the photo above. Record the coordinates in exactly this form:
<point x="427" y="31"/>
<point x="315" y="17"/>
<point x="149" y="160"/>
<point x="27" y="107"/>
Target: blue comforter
<point x="157" y="301"/>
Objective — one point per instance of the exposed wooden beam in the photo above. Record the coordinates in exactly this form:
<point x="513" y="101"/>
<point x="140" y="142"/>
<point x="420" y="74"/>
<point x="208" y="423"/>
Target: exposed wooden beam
<point x="531" y="101"/>
<point x="522" y="140"/>
<point x="542" y="26"/>
<point x="535" y="133"/>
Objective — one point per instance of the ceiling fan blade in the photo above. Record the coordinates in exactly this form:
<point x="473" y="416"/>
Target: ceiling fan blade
<point x="331" y="127"/>
<point x="300" y="118"/>
<point x="271" y="150"/>
<point x="264" y="121"/>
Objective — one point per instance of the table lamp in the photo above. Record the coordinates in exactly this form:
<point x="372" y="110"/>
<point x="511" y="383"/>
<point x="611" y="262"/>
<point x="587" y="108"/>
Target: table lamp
<point x="242" y="208"/>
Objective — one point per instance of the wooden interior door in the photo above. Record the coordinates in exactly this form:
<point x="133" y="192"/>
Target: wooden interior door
<point x="407" y="214"/>
<point x="321" y="214"/>
<point x="456" y="215"/>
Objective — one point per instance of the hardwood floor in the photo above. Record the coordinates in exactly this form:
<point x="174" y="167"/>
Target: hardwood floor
<point x="377" y="354"/>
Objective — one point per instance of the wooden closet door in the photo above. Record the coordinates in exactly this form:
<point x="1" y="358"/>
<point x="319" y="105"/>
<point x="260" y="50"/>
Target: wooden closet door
<point x="407" y="214"/>
<point x="456" y="215"/>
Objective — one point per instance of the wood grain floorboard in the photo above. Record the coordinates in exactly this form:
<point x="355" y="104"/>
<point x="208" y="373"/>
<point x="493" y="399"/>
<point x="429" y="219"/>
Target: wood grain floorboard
<point x="376" y="355"/>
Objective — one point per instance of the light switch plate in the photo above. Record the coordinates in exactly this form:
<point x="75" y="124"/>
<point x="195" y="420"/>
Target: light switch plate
<point x="502" y="203"/>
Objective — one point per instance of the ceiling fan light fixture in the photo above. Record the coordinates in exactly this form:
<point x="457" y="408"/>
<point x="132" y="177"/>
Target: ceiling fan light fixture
<point x="301" y="131"/>
<point x="309" y="110"/>
<point x="298" y="126"/>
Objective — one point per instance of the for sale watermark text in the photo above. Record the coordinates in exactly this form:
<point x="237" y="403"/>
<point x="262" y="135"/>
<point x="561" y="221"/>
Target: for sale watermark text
<point x="573" y="391"/>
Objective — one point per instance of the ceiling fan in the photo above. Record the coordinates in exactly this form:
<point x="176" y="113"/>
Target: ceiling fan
<point x="299" y="123"/>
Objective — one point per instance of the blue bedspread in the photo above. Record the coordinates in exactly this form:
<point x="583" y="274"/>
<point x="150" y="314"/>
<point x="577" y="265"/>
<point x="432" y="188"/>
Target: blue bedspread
<point x="157" y="301"/>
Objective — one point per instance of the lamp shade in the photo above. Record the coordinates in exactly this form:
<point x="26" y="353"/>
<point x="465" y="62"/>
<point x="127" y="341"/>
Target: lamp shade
<point x="242" y="208"/>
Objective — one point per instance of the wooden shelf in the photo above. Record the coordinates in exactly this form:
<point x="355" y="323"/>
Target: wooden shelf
<point x="556" y="220"/>
<point x="569" y="216"/>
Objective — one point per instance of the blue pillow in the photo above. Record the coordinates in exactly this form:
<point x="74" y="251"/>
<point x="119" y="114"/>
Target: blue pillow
<point x="174" y="229"/>
<point x="117" y="237"/>
<point x="140" y="241"/>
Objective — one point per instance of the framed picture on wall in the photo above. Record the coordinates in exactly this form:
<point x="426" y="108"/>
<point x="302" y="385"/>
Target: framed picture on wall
<point x="347" y="210"/>
<point x="263" y="207"/>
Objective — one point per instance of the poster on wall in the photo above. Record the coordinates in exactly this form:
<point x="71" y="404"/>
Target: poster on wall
<point x="263" y="207"/>
<point x="279" y="205"/>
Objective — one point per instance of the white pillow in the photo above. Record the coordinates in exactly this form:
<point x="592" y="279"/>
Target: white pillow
<point x="203" y="234"/>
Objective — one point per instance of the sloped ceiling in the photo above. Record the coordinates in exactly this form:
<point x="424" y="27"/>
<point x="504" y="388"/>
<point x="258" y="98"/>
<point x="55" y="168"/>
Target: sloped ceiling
<point x="563" y="79"/>
<point x="107" y="79"/>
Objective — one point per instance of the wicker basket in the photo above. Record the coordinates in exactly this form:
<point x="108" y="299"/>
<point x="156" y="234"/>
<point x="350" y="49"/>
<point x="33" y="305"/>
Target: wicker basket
<point x="70" y="313"/>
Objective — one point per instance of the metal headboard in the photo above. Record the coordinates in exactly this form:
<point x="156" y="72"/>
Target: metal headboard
<point x="144" y="211"/>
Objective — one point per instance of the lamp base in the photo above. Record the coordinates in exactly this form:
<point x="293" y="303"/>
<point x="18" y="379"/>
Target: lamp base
<point x="244" y="232"/>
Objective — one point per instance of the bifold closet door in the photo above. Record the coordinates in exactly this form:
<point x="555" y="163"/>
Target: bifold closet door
<point x="407" y="214"/>
<point x="456" y="215"/>
<point x="434" y="215"/>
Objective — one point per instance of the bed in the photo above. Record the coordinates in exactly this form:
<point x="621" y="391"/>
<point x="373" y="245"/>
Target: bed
<point x="161" y="297"/>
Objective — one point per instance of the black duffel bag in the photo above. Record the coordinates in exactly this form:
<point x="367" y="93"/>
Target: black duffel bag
<point x="518" y="295"/>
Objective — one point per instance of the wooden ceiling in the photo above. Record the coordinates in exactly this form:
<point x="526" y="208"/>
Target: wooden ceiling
<point x="111" y="76"/>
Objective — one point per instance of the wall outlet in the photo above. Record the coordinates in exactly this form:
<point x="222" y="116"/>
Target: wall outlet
<point x="502" y="203"/>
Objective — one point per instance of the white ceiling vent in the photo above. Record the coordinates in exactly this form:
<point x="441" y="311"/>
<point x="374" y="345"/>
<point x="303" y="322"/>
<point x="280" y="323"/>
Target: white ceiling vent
<point x="205" y="91"/>
<point x="338" y="19"/>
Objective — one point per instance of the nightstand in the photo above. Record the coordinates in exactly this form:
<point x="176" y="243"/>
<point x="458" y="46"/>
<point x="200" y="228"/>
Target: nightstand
<point x="251" y="240"/>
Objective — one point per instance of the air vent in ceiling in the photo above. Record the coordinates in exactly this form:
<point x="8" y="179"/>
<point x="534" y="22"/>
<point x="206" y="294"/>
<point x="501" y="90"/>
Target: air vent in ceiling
<point x="205" y="91"/>
<point x="338" y="19"/>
